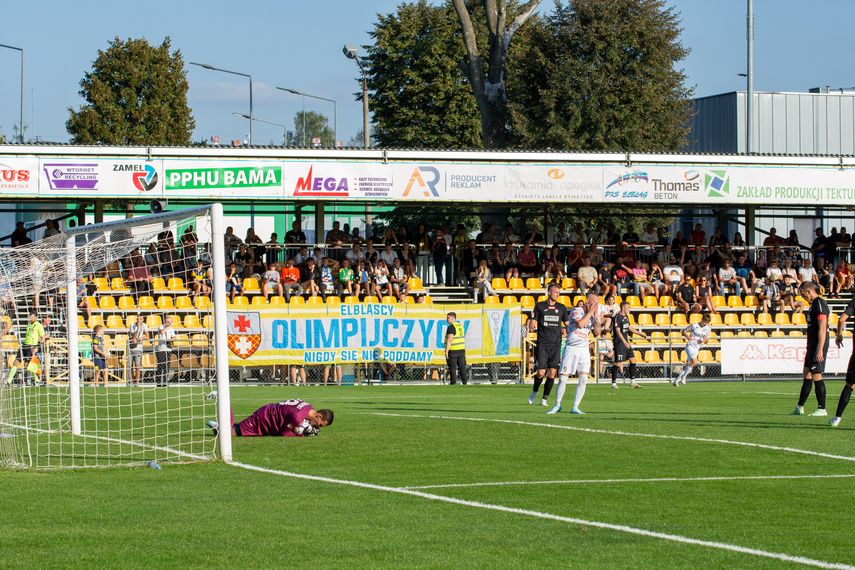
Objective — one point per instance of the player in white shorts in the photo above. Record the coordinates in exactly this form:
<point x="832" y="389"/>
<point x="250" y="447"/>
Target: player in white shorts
<point x="577" y="356"/>
<point x="698" y="334"/>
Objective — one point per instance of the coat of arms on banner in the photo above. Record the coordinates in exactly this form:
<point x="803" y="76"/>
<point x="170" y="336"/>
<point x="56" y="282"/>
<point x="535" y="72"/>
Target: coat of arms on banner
<point x="244" y="333"/>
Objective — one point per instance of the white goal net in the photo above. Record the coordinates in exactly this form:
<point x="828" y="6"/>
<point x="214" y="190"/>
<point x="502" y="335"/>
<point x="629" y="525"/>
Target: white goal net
<point x="110" y="341"/>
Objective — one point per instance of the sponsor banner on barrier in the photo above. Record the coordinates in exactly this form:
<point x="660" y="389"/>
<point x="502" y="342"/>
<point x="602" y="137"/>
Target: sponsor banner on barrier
<point x="371" y="333"/>
<point x="19" y="176"/>
<point x="222" y="179"/>
<point x="314" y="180"/>
<point x="776" y="356"/>
<point x="101" y="177"/>
<point x="739" y="184"/>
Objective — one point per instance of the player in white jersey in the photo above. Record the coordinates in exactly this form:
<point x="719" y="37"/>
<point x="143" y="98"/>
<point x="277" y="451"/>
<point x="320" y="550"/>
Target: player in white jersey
<point x="698" y="334"/>
<point x="577" y="355"/>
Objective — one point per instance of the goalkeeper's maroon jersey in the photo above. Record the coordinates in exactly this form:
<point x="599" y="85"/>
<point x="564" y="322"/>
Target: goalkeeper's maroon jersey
<point x="276" y="419"/>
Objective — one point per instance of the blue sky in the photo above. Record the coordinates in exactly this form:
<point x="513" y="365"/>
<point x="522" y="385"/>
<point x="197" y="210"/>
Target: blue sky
<point x="298" y="45"/>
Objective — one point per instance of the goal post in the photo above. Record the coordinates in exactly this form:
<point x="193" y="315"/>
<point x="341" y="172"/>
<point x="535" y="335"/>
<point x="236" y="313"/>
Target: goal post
<point x="114" y="344"/>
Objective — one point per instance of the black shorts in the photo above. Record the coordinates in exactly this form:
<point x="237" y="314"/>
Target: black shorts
<point x="622" y="352"/>
<point x="811" y="364"/>
<point x="28" y="351"/>
<point x="548" y="356"/>
<point x="237" y="429"/>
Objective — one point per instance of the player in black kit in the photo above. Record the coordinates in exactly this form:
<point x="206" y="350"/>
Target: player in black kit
<point x="848" y="312"/>
<point x="551" y="318"/>
<point x="623" y="349"/>
<point x="817" y="350"/>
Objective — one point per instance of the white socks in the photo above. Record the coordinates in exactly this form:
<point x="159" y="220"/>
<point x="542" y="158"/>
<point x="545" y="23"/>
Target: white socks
<point x="580" y="390"/>
<point x="559" y="392"/>
<point x="685" y="373"/>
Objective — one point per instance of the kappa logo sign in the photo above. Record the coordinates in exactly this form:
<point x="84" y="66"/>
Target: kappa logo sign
<point x="427" y="186"/>
<point x="244" y="333"/>
<point x="320" y="187"/>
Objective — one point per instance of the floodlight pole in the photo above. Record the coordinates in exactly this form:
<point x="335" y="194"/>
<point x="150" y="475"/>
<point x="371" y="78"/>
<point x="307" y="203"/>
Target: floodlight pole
<point x="350" y="52"/>
<point x="212" y="68"/>
<point x="284" y="141"/>
<point x="21" y="138"/>
<point x="749" y="115"/>
<point x="335" y="111"/>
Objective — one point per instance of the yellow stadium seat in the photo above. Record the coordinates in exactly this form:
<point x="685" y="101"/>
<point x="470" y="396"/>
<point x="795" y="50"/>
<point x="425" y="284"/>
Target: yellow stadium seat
<point x="658" y="337"/>
<point x="499" y="283"/>
<point x="782" y="319"/>
<point x="527" y="301"/>
<point x="705" y="356"/>
<point x="677" y="336"/>
<point x="718" y="356"/>
<point x="94" y="321"/>
<point x="295" y="300"/>
<point x="146" y="302"/>
<point x="107" y="303"/>
<point x="92" y="302"/>
<point x="176" y="321"/>
<point x="578" y="299"/>
<point x="644" y="319"/>
<point x="632" y="319"/>
<point x="371" y="299"/>
<point x="491" y="300"/>
<point x="81" y="322"/>
<point x="509" y="300"/>
<point x="115" y="322"/>
<point x="101" y="283"/>
<point x="203" y="302"/>
<point x="650" y="301"/>
<point x="207" y="322"/>
<point x="666" y="301"/>
<point x="743" y="334"/>
<point x="175" y="284"/>
<point x="752" y="301"/>
<point x="182" y="340"/>
<point x="118" y="284"/>
<point x="316" y="300"/>
<point x="126" y="303"/>
<point x="568" y="283"/>
<point x="800" y="320"/>
<point x="251" y="284"/>
<point x="638" y="356"/>
<point x="183" y="303"/>
<point x="734" y="301"/>
<point x="200" y="340"/>
<point x="716" y="320"/>
<point x="747" y="319"/>
<point x="833" y="319"/>
<point x="761" y="334"/>
<point x="719" y="301"/>
<point x="411" y="300"/>
<point x="679" y="320"/>
<point x="241" y="301"/>
<point x="415" y="283"/>
<point x="564" y="300"/>
<point x="188" y="360"/>
<point x="428" y="300"/>
<point x="652" y="357"/>
<point x="662" y="320"/>
<point x="727" y="334"/>
<point x="333" y="300"/>
<point x="797" y="334"/>
<point x="731" y="319"/>
<point x="695" y="318"/>
<point x="349" y="300"/>
<point x="533" y="283"/>
<point x="158" y="284"/>
<point x="764" y="319"/>
<point x="258" y="300"/>
<point x="633" y="300"/>
<point x="153" y="321"/>
<point x="671" y="357"/>
<point x="192" y="322"/>
<point x="276" y="300"/>
<point x="541" y="298"/>
<point x="516" y="284"/>
<point x="164" y="303"/>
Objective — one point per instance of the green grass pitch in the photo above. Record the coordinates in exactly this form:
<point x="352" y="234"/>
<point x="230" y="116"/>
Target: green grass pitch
<point x="426" y="437"/>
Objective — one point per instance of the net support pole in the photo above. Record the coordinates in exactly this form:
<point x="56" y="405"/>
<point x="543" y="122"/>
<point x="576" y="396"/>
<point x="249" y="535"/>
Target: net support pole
<point x="71" y="327"/>
<point x="221" y="348"/>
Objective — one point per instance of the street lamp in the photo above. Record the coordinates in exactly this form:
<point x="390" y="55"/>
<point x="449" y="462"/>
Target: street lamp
<point x="350" y="51"/>
<point x="285" y="140"/>
<point x="22" y="87"/>
<point x="212" y="68"/>
<point x="335" y="112"/>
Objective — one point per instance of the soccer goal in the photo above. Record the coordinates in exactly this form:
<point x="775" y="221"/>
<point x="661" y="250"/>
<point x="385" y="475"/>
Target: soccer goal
<point x="114" y="348"/>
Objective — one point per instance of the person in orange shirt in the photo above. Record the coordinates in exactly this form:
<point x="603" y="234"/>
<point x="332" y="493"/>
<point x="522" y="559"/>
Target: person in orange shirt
<point x="290" y="280"/>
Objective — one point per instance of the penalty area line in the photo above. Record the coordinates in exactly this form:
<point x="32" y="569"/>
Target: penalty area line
<point x="632" y="434"/>
<point x="632" y="480"/>
<point x="549" y="516"/>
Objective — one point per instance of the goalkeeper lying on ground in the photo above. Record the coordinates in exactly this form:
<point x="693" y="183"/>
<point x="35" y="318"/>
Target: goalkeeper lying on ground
<point x="292" y="418"/>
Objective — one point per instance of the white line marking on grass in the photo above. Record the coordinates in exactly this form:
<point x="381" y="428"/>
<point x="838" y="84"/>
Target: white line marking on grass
<point x="548" y="516"/>
<point x="655" y="480"/>
<point x="607" y="432"/>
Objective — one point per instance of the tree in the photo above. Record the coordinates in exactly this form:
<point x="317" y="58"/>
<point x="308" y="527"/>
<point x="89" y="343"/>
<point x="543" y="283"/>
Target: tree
<point x="316" y="126"/>
<point x="420" y="97"/>
<point x="135" y="94"/>
<point x="358" y="140"/>
<point x="488" y="78"/>
<point x="600" y="75"/>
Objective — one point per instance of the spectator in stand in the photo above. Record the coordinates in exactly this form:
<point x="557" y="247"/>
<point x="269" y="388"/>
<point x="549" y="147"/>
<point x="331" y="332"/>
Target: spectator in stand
<point x="624" y="253"/>
<point x="551" y="263"/>
<point x="704" y="294"/>
<point x="792" y="240"/>
<point x="271" y="281"/>
<point x="823" y="273"/>
<point x="790" y="270"/>
<point x="727" y="280"/>
<point x="562" y="236"/>
<point x="381" y="280"/>
<point x="684" y="260"/>
<point x="294" y="237"/>
<point x="586" y="278"/>
<point x="318" y="256"/>
<point x="844" y="243"/>
<point x="407" y="259"/>
<point x="398" y="278"/>
<point x="842" y="280"/>
<point x="508" y="259"/>
<point x="807" y="273"/>
<point x="327" y="284"/>
<point x="151" y="256"/>
<point x="492" y="256"/>
<point x="595" y="256"/>
<point x="389" y="237"/>
<point x="598" y="235"/>
<point x="290" y="280"/>
<point x="233" y="286"/>
<point x="387" y="255"/>
<point x="509" y="235"/>
<point x="302" y="256"/>
<point x="439" y="251"/>
<point x="745" y="273"/>
<point x="459" y="244"/>
<point x="686" y="298"/>
<point x="577" y="236"/>
<point x="449" y="256"/>
<point x="423" y="245"/>
<point x="19" y="236"/>
<point x="612" y="235"/>
<point x="631" y="237"/>
<point x="604" y="280"/>
<point x="139" y="278"/>
<point x="334" y="240"/>
<point x="776" y="253"/>
<point x="705" y="270"/>
<point x="403" y="234"/>
<point x="527" y="261"/>
<point x="621" y="278"/>
<point x="483" y="278"/>
<point x="698" y="236"/>
<point x="640" y="283"/>
<point x="727" y="254"/>
<point x="738" y="242"/>
<point x="534" y="237"/>
<point x="650" y="239"/>
<point x="574" y="258"/>
<point x="346" y="278"/>
<point x="679" y="239"/>
<point x="254" y="242"/>
<point x="362" y="280"/>
<point x="310" y="275"/>
<point x="658" y="281"/>
<point x="789" y="292"/>
<point x="673" y="273"/>
<point x="770" y="295"/>
<point x="489" y="234"/>
<point x="371" y="255"/>
<point x="471" y="259"/>
<point x="355" y="255"/>
<point x="664" y="254"/>
<point x="716" y="248"/>
<point x="773" y="272"/>
<point x="354" y="237"/>
<point x="773" y="238"/>
<point x="662" y="237"/>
